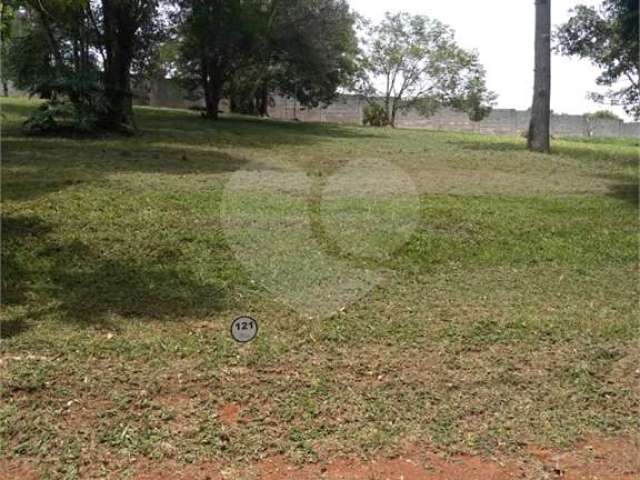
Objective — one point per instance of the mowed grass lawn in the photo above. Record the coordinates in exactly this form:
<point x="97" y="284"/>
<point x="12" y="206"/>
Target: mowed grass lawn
<point x="507" y="316"/>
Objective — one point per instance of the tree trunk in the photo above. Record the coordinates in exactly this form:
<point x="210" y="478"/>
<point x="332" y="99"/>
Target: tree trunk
<point x="387" y="108"/>
<point x="538" y="139"/>
<point x="212" y="87"/>
<point x="262" y="99"/>
<point x="212" y="101"/>
<point x="394" y="113"/>
<point x="119" y="38"/>
<point x="5" y="88"/>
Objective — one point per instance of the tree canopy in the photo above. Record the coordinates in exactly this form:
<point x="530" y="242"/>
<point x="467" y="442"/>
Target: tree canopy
<point x="608" y="36"/>
<point x="79" y="54"/>
<point x="414" y="61"/>
<point x="603" y="115"/>
<point x="248" y="49"/>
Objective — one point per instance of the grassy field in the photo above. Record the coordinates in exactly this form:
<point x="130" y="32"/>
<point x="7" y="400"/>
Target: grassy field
<point x="505" y="316"/>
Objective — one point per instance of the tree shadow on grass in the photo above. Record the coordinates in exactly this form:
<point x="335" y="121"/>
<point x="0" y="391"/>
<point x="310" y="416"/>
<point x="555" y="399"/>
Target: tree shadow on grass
<point x="77" y="283"/>
<point x="17" y="269"/>
<point x="489" y="144"/>
<point x="629" y="192"/>
<point x="92" y="290"/>
<point x="109" y="157"/>
<point x="12" y="327"/>
<point x="27" y="188"/>
<point x="243" y="130"/>
<point x="185" y="126"/>
<point x="625" y="188"/>
<point x="19" y="231"/>
<point x="598" y="153"/>
<point x="55" y="166"/>
<point x="173" y="142"/>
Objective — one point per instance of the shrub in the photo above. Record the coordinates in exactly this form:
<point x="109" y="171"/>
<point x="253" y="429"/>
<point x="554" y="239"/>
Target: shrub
<point x="375" y="115"/>
<point x="603" y="115"/>
<point x="74" y="106"/>
<point x="60" y="116"/>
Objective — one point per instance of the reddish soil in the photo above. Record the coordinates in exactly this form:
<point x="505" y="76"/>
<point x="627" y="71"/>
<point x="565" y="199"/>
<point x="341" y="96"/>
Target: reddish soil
<point x="597" y="459"/>
<point x="229" y="414"/>
<point x="401" y="468"/>
<point x="11" y="470"/>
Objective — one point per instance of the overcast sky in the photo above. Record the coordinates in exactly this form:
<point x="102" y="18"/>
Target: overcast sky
<point x="502" y="31"/>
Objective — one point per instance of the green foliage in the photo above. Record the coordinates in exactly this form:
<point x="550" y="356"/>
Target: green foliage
<point x="313" y="49"/>
<point x="248" y="92"/>
<point x="608" y="36"/>
<point x="251" y="49"/>
<point x="71" y="84"/>
<point x="79" y="54"/>
<point x="48" y="117"/>
<point x="215" y="38"/>
<point x="57" y="116"/>
<point x="420" y="65"/>
<point x="604" y="115"/>
<point x="28" y="60"/>
<point x="7" y="21"/>
<point x="375" y="115"/>
<point x="62" y="115"/>
<point x="162" y="61"/>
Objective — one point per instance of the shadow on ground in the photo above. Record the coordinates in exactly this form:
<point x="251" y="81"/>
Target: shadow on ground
<point x="85" y="286"/>
<point x="173" y="142"/>
<point x="629" y="192"/>
<point x="586" y="153"/>
<point x="184" y="126"/>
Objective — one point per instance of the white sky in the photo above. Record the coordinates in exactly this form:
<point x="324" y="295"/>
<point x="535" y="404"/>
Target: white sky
<point x="502" y="31"/>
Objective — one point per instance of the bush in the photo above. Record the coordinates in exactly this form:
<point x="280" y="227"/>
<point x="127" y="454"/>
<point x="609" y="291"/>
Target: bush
<point x="74" y="106"/>
<point x="60" y="116"/>
<point x="603" y="115"/>
<point x="46" y="118"/>
<point x="375" y="116"/>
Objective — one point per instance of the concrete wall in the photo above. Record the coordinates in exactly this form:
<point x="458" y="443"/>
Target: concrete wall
<point x="630" y="129"/>
<point x="342" y="110"/>
<point x="499" y="122"/>
<point x="348" y="109"/>
<point x="516" y="122"/>
<point x="164" y="93"/>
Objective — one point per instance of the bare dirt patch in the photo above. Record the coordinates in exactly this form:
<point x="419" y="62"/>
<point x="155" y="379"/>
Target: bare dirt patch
<point x="229" y="414"/>
<point x="402" y="467"/>
<point x="13" y="469"/>
<point x="610" y="459"/>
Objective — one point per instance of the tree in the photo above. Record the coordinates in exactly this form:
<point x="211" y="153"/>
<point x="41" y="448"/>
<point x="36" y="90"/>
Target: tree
<point x="127" y="26"/>
<point x="7" y="20"/>
<point x="609" y="37"/>
<point x="603" y="115"/>
<point x="247" y="50"/>
<point x="82" y="52"/>
<point x="414" y="61"/>
<point x="313" y="47"/>
<point x="54" y="55"/>
<point x="216" y="36"/>
<point x="538" y="139"/>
